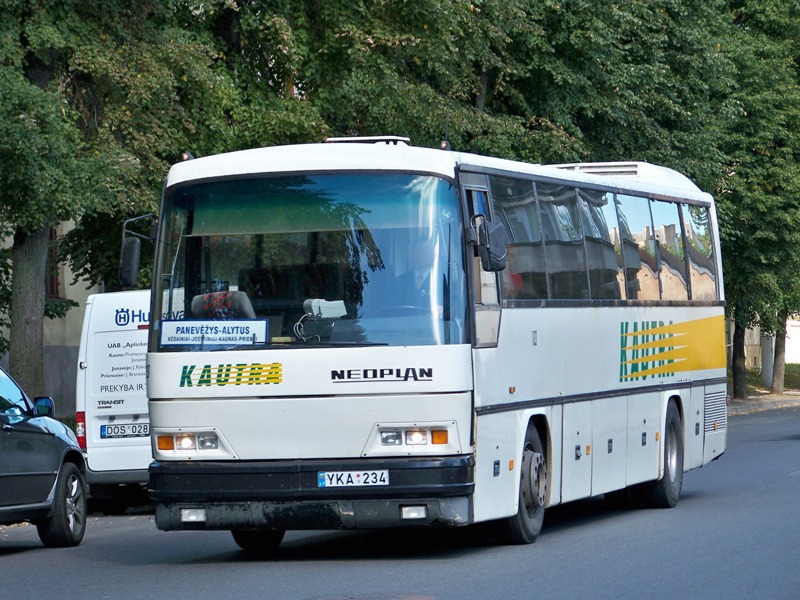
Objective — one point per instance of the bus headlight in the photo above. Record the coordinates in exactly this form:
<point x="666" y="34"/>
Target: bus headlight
<point x="392" y="438"/>
<point x="185" y="441"/>
<point x="206" y="440"/>
<point x="412" y="438"/>
<point x="416" y="437"/>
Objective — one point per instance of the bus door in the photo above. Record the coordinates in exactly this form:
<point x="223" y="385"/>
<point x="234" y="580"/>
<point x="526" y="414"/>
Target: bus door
<point x="484" y="283"/>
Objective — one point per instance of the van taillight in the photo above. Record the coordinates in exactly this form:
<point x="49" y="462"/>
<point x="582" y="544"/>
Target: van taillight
<point x="80" y="429"/>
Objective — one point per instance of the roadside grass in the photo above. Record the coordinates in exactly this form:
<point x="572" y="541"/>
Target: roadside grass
<point x="791" y="380"/>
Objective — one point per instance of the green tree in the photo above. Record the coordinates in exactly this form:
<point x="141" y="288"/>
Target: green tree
<point x="530" y="80"/>
<point x="759" y="203"/>
<point x="42" y="182"/>
<point x="124" y="88"/>
<point x="85" y="113"/>
<point x="215" y="76"/>
<point x="154" y="80"/>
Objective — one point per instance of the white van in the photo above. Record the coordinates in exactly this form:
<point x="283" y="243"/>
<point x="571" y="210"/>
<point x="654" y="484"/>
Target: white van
<point x="112" y="420"/>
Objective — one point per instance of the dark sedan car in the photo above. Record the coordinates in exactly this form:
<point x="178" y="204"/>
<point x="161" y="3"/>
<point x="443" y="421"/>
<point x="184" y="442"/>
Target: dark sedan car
<point x="41" y="468"/>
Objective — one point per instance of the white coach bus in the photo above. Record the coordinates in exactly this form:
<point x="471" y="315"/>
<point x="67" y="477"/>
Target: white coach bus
<point x="377" y="335"/>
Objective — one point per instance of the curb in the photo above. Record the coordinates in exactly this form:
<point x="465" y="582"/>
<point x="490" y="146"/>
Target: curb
<point x="760" y="403"/>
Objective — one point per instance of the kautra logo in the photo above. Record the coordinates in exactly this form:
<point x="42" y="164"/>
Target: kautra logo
<point x="657" y="349"/>
<point x="231" y="374"/>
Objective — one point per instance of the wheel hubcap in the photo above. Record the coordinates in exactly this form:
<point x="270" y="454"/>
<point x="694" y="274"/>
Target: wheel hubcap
<point x="74" y="504"/>
<point x="672" y="453"/>
<point x="535" y="480"/>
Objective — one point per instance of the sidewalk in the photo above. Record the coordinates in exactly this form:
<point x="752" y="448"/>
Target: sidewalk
<point x="763" y="401"/>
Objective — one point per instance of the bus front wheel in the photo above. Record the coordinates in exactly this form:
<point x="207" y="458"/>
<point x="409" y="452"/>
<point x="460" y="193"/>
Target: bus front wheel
<point x="524" y="527"/>
<point x="258" y="541"/>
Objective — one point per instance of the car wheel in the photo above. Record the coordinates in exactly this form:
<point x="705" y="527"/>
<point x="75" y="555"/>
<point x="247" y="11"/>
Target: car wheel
<point x="67" y="524"/>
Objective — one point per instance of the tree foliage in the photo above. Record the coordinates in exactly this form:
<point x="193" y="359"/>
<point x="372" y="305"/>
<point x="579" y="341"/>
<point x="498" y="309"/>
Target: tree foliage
<point x="759" y="197"/>
<point x="99" y="99"/>
<point x="531" y="80"/>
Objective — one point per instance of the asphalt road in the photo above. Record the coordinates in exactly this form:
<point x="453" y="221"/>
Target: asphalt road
<point x="735" y="534"/>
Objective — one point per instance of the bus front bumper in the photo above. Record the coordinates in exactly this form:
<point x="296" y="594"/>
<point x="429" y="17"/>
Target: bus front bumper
<point x="435" y="491"/>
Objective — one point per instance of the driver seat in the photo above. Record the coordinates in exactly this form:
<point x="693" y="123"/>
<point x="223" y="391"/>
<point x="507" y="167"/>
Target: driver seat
<point x="223" y="305"/>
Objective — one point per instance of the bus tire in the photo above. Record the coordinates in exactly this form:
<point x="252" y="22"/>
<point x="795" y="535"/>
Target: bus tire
<point x="665" y="492"/>
<point x="524" y="527"/>
<point x="258" y="541"/>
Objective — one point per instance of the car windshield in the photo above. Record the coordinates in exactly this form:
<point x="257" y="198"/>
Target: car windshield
<point x="343" y="259"/>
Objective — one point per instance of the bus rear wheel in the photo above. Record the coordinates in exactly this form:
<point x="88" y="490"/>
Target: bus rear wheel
<point x="258" y="541"/>
<point x="665" y="492"/>
<point x="524" y="527"/>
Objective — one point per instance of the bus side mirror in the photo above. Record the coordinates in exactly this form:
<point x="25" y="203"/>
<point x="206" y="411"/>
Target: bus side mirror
<point x="492" y="242"/>
<point x="132" y="249"/>
<point x="129" y="263"/>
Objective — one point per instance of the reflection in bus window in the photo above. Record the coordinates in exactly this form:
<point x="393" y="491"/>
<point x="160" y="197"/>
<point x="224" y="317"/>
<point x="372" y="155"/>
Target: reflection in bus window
<point x="583" y="243"/>
<point x="525" y="275"/>
<point x="638" y="247"/>
<point x="602" y="243"/>
<point x="702" y="270"/>
<point x="340" y="240"/>
<point x="563" y="239"/>
<point x="669" y="239"/>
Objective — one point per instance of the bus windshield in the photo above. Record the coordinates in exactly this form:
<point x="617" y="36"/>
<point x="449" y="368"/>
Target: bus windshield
<point x="304" y="260"/>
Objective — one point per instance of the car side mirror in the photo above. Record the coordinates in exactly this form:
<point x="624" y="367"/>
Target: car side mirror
<point x="44" y="406"/>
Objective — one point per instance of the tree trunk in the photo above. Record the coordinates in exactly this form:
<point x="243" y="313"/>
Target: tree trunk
<point x="738" y="360"/>
<point x="26" y="343"/>
<point x="779" y="366"/>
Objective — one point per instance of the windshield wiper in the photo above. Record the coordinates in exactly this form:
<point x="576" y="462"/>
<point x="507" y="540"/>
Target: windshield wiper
<point x="296" y="344"/>
<point x="337" y="343"/>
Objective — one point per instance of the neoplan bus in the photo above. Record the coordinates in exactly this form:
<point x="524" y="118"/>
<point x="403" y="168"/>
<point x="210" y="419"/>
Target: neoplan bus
<point x="376" y="335"/>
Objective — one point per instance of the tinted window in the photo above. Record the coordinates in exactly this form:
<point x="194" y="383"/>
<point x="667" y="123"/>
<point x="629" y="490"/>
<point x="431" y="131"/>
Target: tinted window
<point x="525" y="275"/>
<point x="638" y="247"/>
<point x="563" y="238"/>
<point x="12" y="399"/>
<point x="603" y="252"/>
<point x="702" y="269"/>
<point x="669" y="240"/>
<point x="581" y="243"/>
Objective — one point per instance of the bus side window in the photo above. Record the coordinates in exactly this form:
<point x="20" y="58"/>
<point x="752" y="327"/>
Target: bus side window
<point x="479" y="203"/>
<point x="603" y="252"/>
<point x="566" y="256"/>
<point x="699" y="249"/>
<point x="514" y="204"/>
<point x="669" y="241"/>
<point x="638" y="248"/>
